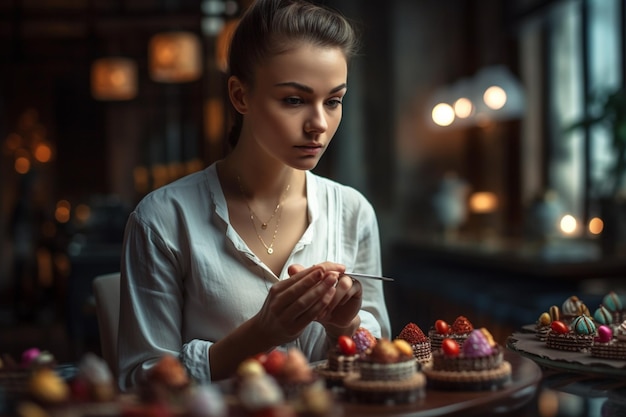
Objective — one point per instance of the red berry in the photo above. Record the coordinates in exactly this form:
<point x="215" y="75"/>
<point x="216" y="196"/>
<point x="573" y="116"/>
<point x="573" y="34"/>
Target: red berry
<point x="346" y="345"/>
<point x="442" y="327"/>
<point x="275" y="361"/>
<point x="559" y="327"/>
<point x="450" y="347"/>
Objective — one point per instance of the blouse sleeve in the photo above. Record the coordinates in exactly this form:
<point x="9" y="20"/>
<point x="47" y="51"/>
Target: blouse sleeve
<point x="151" y="306"/>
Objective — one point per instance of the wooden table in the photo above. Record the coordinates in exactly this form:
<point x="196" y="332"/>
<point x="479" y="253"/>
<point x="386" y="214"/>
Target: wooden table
<point x="526" y="378"/>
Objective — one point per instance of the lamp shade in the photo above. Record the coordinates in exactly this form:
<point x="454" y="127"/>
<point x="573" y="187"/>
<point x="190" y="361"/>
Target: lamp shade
<point x="114" y="78"/>
<point x="175" y="57"/>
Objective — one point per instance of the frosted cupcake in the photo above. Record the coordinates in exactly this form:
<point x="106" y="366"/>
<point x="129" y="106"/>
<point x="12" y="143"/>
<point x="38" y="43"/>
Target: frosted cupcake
<point x="419" y="342"/>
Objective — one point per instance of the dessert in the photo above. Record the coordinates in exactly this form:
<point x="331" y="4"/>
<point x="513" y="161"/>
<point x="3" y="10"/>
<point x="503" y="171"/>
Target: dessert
<point x="459" y="331"/>
<point x="282" y="386"/>
<point x="613" y="303"/>
<point x="610" y="345"/>
<point x="542" y="326"/>
<point x="578" y="337"/>
<point x="476" y="364"/>
<point x="343" y="356"/>
<point x="387" y="375"/>
<point x="94" y="380"/>
<point x="573" y="307"/>
<point x="419" y="342"/>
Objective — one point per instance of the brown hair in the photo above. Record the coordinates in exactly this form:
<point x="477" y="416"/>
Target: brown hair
<point x="270" y="27"/>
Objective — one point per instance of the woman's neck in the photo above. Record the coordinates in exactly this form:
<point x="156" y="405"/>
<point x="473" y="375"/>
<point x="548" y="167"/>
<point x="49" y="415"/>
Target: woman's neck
<point x="257" y="181"/>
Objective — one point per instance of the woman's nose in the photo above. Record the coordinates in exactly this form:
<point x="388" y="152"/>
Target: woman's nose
<point x="316" y="121"/>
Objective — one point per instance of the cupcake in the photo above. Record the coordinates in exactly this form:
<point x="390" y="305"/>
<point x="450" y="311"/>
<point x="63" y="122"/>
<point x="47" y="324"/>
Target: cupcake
<point x="388" y="375"/>
<point x="459" y="331"/>
<point x="477" y="364"/>
<point x="578" y="338"/>
<point x="341" y="361"/>
<point x="607" y="345"/>
<point x="419" y="342"/>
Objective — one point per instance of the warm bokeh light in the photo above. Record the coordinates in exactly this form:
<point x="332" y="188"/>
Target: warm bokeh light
<point x="82" y="213"/>
<point x="568" y="224"/>
<point x="596" y="225"/>
<point x="114" y="78"/>
<point x="62" y="211"/>
<point x="22" y="164"/>
<point x="548" y="403"/>
<point x="495" y="97"/>
<point x="443" y="114"/>
<point x="483" y="202"/>
<point x="43" y="152"/>
<point x="463" y="108"/>
<point x="175" y="57"/>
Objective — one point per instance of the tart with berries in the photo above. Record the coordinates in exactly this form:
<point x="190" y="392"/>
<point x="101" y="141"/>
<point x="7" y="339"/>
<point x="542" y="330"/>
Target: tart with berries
<point x="388" y="375"/>
<point x="476" y="364"/>
<point x="458" y="331"/>
<point x="342" y="357"/>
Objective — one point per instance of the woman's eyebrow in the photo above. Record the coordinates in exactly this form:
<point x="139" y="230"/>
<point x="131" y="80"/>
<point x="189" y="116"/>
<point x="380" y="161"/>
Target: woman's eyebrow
<point x="308" y="89"/>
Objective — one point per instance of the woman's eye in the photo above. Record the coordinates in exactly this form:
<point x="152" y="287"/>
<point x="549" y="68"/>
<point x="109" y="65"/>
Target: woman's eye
<point x="293" y="101"/>
<point x="334" y="102"/>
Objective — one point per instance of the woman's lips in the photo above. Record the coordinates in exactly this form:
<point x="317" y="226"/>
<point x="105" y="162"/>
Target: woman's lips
<point x="311" y="150"/>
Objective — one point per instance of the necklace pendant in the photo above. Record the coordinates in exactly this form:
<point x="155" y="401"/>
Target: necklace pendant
<point x="270" y="251"/>
<point x="264" y="226"/>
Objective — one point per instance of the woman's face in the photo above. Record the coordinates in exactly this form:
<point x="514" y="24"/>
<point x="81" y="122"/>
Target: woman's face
<point x="294" y="108"/>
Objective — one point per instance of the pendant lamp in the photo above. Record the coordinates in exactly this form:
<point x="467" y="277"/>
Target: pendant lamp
<point x="175" y="57"/>
<point x="114" y="78"/>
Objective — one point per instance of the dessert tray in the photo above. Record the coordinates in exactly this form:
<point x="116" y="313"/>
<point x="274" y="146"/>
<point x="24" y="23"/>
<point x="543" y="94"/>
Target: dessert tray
<point x="525" y="380"/>
<point x="528" y="345"/>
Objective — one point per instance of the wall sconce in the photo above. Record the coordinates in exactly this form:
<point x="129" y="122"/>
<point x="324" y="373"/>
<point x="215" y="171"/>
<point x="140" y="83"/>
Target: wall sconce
<point x="114" y="78"/>
<point x="175" y="57"/>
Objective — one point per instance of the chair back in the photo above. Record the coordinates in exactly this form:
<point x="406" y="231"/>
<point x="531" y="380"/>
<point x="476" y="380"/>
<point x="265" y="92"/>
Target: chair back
<point x="106" y="291"/>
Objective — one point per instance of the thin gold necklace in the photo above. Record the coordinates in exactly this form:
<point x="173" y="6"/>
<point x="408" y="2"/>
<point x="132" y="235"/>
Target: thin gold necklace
<point x="269" y="248"/>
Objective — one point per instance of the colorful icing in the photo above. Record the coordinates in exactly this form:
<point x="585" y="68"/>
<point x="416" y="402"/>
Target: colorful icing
<point x="573" y="306"/>
<point x="412" y="334"/>
<point x="462" y="325"/>
<point x="363" y="339"/>
<point x="555" y="313"/>
<point x="603" y="315"/>
<point x="605" y="334"/>
<point x="488" y="336"/>
<point x="544" y="319"/>
<point x="613" y="302"/>
<point x="583" y="325"/>
<point x="559" y="327"/>
<point x="476" y="345"/>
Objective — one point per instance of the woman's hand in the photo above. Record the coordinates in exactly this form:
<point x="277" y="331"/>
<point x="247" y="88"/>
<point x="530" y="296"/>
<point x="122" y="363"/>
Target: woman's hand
<point x="295" y="302"/>
<point x="340" y="315"/>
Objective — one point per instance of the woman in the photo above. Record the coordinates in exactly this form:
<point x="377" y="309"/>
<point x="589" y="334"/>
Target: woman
<point x="250" y="253"/>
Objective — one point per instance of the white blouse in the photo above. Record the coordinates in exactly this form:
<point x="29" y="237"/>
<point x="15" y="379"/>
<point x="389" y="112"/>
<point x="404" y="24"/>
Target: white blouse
<point x="188" y="278"/>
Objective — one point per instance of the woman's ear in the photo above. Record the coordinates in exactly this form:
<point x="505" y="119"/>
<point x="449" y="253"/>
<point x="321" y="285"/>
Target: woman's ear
<point x="237" y="93"/>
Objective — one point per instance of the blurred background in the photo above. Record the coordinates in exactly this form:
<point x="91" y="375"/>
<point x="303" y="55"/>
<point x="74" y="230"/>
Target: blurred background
<point x="489" y="136"/>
